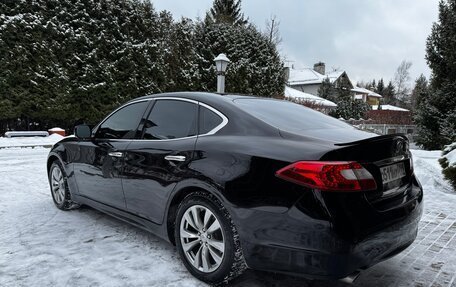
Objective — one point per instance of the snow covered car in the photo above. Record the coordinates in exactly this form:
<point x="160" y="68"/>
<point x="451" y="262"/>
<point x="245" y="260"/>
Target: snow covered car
<point x="240" y="182"/>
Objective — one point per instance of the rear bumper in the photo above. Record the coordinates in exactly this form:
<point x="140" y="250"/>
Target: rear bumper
<point x="306" y="240"/>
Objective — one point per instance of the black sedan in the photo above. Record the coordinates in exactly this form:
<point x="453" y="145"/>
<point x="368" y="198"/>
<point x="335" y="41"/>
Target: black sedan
<point x="240" y="182"/>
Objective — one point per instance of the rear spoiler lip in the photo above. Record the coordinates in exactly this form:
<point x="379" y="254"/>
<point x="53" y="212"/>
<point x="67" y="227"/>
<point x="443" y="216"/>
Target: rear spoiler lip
<point x="374" y="139"/>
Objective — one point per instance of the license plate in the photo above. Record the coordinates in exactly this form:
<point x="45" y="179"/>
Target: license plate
<point x="392" y="172"/>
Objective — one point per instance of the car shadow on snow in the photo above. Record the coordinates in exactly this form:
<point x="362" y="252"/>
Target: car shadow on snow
<point x="250" y="278"/>
<point x="384" y="274"/>
<point x="253" y="278"/>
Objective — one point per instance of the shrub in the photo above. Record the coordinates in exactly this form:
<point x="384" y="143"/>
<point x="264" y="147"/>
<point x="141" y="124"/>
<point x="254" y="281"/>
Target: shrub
<point x="448" y="163"/>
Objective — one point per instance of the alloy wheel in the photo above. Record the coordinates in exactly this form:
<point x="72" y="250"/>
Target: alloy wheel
<point x="58" y="185"/>
<point x="202" y="238"/>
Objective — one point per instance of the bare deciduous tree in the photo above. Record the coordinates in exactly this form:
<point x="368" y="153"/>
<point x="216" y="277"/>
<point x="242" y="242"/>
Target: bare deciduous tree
<point x="273" y="31"/>
<point x="402" y="81"/>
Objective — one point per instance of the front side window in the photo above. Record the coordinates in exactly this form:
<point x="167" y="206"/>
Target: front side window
<point x="123" y="123"/>
<point x="171" y="119"/>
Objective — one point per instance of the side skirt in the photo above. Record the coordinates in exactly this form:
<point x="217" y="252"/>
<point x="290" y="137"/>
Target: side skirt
<point x="147" y="225"/>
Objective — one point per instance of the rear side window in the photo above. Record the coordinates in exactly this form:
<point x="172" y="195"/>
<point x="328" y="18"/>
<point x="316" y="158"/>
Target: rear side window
<point x="171" y="119"/>
<point x="123" y="123"/>
<point x="288" y="116"/>
<point x="208" y="120"/>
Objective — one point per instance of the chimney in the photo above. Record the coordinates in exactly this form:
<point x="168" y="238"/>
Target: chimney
<point x="286" y="73"/>
<point x="320" y="68"/>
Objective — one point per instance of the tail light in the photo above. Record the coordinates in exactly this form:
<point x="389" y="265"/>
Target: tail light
<point x="329" y="176"/>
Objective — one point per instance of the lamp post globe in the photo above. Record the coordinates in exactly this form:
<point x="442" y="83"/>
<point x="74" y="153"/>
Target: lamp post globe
<point x="221" y="64"/>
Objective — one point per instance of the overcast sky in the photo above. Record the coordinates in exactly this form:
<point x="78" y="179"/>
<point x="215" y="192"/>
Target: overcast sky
<point x="366" y="38"/>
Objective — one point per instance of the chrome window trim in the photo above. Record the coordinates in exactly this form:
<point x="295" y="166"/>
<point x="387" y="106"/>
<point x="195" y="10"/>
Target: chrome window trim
<point x="158" y="140"/>
<point x="177" y="99"/>
<point x="211" y="132"/>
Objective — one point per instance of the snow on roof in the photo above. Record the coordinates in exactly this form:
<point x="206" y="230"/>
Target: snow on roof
<point x="56" y="130"/>
<point x="366" y="91"/>
<point x="309" y="76"/>
<point x="390" y="108"/>
<point x="293" y="93"/>
<point x="334" y="75"/>
<point x="305" y="76"/>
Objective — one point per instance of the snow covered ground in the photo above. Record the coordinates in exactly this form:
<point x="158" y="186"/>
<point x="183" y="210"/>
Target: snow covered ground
<point x="43" y="246"/>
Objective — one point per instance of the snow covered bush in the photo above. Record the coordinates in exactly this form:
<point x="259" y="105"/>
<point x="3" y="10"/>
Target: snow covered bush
<point x="350" y="109"/>
<point x="66" y="60"/>
<point x="448" y="163"/>
<point x="256" y="67"/>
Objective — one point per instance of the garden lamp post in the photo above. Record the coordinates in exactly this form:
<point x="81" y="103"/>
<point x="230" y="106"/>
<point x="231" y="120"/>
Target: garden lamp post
<point x="221" y="63"/>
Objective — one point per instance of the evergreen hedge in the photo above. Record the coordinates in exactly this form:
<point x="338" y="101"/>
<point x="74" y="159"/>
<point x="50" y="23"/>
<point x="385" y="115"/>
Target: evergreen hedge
<point x="67" y="60"/>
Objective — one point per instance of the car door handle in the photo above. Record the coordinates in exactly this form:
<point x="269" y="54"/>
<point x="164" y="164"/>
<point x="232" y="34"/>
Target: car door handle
<point x="115" y="154"/>
<point x="175" y="158"/>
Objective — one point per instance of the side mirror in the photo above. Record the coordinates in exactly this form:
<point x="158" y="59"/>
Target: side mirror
<point x="82" y="132"/>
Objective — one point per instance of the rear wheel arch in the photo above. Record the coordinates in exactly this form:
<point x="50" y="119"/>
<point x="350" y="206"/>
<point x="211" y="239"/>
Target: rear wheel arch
<point x="231" y="262"/>
<point x="177" y="198"/>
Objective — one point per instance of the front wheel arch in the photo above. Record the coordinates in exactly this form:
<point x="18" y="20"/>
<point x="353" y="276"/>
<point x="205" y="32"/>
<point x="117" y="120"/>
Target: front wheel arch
<point x="51" y="159"/>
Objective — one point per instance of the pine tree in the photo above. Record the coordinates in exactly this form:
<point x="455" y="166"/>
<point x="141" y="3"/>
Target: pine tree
<point x="420" y="92"/>
<point x="427" y="118"/>
<point x="389" y="94"/>
<point x="343" y="90"/>
<point x="435" y="114"/>
<point x="256" y="67"/>
<point x="181" y="59"/>
<point x="347" y="107"/>
<point x="327" y="90"/>
<point x="380" y="89"/>
<point x="227" y="12"/>
<point x="373" y="85"/>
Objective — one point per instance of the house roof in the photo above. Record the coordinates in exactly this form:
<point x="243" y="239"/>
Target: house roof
<point x="308" y="76"/>
<point x="390" y="108"/>
<point x="293" y="93"/>
<point x="334" y="75"/>
<point x="304" y="76"/>
<point x="364" y="91"/>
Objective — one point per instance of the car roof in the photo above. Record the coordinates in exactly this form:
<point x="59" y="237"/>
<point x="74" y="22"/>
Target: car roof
<point x="197" y="96"/>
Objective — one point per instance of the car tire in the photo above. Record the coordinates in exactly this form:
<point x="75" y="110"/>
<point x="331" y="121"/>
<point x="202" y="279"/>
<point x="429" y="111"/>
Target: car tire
<point x="59" y="187"/>
<point x="205" y="259"/>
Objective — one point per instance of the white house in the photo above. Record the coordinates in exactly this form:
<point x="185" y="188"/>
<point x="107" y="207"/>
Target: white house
<point x="309" y="80"/>
<point x="366" y="96"/>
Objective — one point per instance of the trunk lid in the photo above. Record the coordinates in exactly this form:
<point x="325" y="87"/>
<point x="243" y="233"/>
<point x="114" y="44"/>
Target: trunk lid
<point x="387" y="158"/>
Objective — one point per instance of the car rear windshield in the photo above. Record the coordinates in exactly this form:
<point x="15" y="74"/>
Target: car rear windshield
<point x="288" y="116"/>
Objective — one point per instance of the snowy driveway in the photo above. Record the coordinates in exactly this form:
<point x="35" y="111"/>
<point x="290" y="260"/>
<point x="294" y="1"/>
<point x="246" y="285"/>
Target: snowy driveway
<point x="42" y="246"/>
